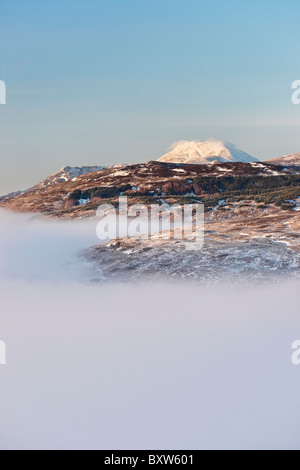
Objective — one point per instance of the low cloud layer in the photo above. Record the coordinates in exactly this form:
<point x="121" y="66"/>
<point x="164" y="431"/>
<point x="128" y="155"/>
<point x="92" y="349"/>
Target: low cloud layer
<point x="35" y="249"/>
<point x="138" y="365"/>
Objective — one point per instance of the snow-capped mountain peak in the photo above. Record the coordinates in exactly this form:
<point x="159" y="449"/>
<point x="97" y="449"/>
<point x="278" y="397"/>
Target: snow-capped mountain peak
<point x="206" y="152"/>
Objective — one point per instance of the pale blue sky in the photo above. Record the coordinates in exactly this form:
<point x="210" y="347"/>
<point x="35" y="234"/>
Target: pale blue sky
<point x="101" y="82"/>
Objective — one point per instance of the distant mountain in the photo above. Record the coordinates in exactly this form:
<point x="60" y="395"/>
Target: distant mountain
<point x="67" y="173"/>
<point x="286" y="160"/>
<point x="207" y="152"/>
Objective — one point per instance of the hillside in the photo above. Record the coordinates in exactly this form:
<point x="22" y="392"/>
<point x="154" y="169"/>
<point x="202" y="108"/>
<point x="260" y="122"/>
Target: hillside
<point x="155" y="181"/>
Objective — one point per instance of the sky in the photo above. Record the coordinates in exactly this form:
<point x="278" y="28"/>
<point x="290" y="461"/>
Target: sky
<point x="98" y="82"/>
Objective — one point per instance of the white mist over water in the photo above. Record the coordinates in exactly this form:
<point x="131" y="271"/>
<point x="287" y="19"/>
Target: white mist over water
<point x="151" y="366"/>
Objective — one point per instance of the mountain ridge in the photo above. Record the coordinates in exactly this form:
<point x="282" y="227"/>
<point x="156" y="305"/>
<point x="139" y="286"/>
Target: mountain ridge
<point x="292" y="159"/>
<point x="81" y="195"/>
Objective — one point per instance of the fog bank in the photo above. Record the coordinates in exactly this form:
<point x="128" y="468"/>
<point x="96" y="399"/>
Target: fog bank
<point x="150" y="366"/>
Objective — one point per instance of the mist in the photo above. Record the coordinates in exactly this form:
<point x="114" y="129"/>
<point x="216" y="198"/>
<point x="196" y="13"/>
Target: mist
<point x="33" y="248"/>
<point x="138" y="365"/>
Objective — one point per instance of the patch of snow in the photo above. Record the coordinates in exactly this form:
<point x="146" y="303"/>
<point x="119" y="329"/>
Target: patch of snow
<point x="221" y="202"/>
<point x="81" y="202"/>
<point x="120" y="173"/>
<point x="224" y="169"/>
